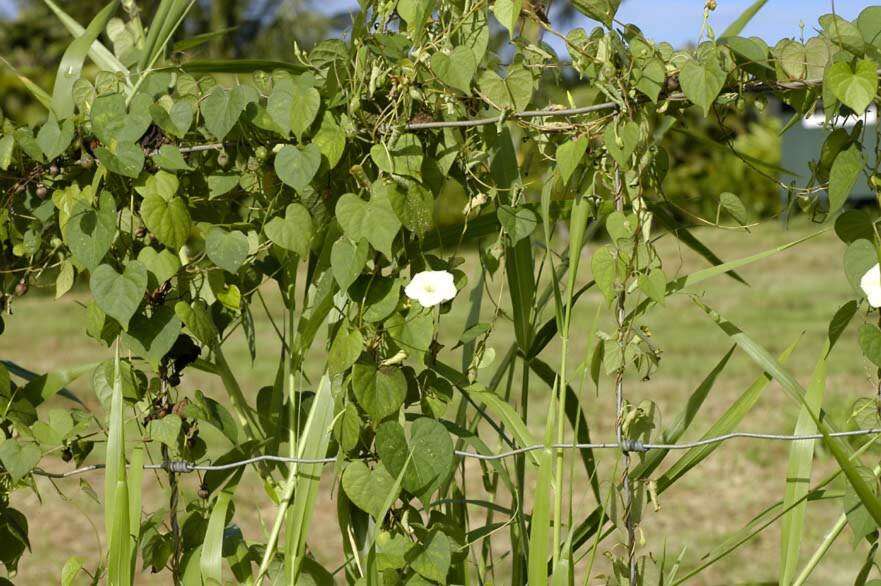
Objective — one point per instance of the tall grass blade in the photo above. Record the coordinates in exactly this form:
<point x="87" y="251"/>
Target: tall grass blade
<point x="839" y="449"/>
<point x="134" y="480"/>
<point x="296" y="504"/>
<point x="540" y="526"/>
<point x="519" y="266"/>
<point x="504" y="411"/>
<point x="736" y="27"/>
<point x="830" y="537"/>
<point x="116" y="497"/>
<point x="801" y="453"/>
<point x="722" y="268"/>
<point x="576" y="418"/>
<point x="683" y="420"/>
<point x="39" y="93"/>
<point x="101" y="55"/>
<point x="724" y="424"/>
<point x="238" y="66"/>
<point x="669" y="221"/>
<point x="771" y="514"/>
<point x="211" y="559"/>
<point x="42" y="386"/>
<point x="165" y="22"/>
<point x="304" y="478"/>
<point x="72" y="62"/>
<point x="758" y="524"/>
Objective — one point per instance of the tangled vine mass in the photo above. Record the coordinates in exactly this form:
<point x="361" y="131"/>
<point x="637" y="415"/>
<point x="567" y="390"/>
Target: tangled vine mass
<point x="424" y="162"/>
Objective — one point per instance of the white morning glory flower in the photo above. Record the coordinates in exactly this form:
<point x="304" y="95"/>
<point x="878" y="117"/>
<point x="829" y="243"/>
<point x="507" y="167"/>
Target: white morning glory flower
<point x="431" y="288"/>
<point x="871" y="285"/>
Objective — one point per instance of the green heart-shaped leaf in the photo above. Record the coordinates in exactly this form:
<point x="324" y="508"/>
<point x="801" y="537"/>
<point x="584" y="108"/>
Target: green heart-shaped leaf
<point x="859" y="257"/>
<point x="702" y="81"/>
<point x="379" y="391"/>
<point x="413" y="333"/>
<point x="168" y="219"/>
<point x="347" y="260"/>
<point x="870" y="343"/>
<point x="176" y="120"/>
<point x="413" y="205"/>
<point x="456" y="69"/>
<point x="125" y="158"/>
<point x="119" y="295"/>
<point x="222" y="108"/>
<point x="375" y="221"/>
<point x="654" y="285"/>
<point x="843" y="175"/>
<point x="621" y="141"/>
<point x="54" y="139"/>
<point x="331" y="140"/>
<point x="307" y="102"/>
<point x="620" y="226"/>
<point x="855" y="86"/>
<point x="382" y="298"/>
<point x="153" y="337"/>
<point x="430" y="450"/>
<point x="344" y="350"/>
<point x="18" y="459"/>
<point x="228" y="250"/>
<point x="433" y="557"/>
<point x="297" y="166"/>
<point x="163" y="265"/>
<point x="569" y="155"/>
<point x="198" y="320"/>
<point x="112" y="123"/>
<point x="509" y="93"/>
<point x="368" y="489"/>
<point x="519" y="222"/>
<point x="89" y="232"/>
<point x="293" y="232"/>
<point x="402" y="157"/>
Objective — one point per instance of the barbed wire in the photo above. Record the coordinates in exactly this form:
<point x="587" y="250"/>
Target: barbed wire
<point x="183" y="467"/>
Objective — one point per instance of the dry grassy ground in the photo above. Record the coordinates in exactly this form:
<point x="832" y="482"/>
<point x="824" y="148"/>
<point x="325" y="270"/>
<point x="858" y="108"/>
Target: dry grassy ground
<point x="792" y="294"/>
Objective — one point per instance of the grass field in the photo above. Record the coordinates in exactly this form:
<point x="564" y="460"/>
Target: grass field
<point x="793" y="294"/>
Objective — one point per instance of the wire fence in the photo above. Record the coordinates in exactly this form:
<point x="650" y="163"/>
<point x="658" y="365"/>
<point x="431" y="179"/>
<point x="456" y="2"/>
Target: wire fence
<point x="184" y="467"/>
<point x="551" y="112"/>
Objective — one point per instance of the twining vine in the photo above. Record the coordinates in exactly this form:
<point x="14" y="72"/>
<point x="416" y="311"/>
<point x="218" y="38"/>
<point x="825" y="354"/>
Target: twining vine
<point x="427" y="161"/>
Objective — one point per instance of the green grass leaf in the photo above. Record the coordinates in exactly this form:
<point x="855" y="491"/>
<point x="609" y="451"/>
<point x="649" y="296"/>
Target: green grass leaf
<point x="303" y="480"/>
<point x="72" y="62"/>
<point x="101" y="55"/>
<point x="801" y="453"/>
<point x="116" y="500"/>
<point x="211" y="558"/>
<point x="519" y="266"/>
<point x="726" y="423"/>
<point x="739" y="23"/>
<point x="838" y="448"/>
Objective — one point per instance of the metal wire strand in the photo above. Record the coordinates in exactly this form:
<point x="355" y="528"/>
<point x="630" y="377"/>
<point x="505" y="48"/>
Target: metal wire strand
<point x="182" y="467"/>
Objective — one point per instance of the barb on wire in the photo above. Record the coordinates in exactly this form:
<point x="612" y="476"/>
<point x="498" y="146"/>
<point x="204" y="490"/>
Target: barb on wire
<point x="181" y="467"/>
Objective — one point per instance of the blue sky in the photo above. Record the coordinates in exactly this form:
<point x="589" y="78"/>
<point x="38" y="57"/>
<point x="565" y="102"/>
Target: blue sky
<point x="678" y="21"/>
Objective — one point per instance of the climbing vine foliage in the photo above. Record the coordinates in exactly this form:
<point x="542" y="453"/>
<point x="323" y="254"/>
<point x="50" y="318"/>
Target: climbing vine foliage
<point x="430" y="208"/>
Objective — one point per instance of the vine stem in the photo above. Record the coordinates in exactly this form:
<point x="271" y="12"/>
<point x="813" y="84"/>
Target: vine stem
<point x="172" y="519"/>
<point x="626" y="488"/>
